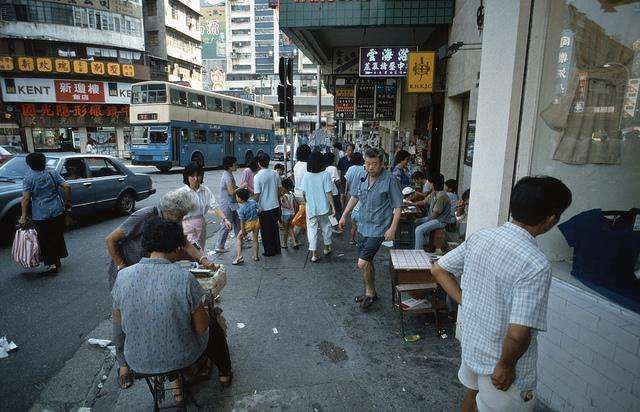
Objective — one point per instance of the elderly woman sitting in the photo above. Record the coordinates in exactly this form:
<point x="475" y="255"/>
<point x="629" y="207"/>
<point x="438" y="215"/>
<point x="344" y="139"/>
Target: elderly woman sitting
<point x="160" y="307"/>
<point x="125" y="248"/>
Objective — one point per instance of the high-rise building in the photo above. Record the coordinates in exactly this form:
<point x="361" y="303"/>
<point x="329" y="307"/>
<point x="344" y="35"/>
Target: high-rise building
<point x="253" y="45"/>
<point x="172" y="35"/>
<point x="66" y="72"/>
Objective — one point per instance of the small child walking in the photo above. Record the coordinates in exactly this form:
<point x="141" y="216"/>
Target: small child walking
<point x="249" y="224"/>
<point x="288" y="207"/>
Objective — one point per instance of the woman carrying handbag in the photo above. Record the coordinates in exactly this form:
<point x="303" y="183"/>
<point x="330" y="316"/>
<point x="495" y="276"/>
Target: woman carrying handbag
<point x="40" y="196"/>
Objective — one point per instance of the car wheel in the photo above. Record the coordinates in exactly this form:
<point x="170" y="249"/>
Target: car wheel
<point x="164" y="169"/>
<point x="248" y="157"/>
<point x="126" y="203"/>
<point x="198" y="159"/>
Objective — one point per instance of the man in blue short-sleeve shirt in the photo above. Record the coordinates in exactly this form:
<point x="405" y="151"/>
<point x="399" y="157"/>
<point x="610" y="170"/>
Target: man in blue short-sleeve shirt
<point x="380" y="199"/>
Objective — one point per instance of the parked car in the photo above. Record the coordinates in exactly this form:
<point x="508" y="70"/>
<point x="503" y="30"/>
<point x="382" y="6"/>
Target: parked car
<point x="98" y="183"/>
<point x="278" y="152"/>
<point x="5" y="154"/>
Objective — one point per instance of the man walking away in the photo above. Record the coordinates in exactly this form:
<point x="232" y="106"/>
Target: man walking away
<point x="505" y="278"/>
<point x="380" y="199"/>
<point x="266" y="185"/>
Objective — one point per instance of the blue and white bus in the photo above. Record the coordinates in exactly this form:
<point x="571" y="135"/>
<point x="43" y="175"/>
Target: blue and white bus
<point x="174" y="125"/>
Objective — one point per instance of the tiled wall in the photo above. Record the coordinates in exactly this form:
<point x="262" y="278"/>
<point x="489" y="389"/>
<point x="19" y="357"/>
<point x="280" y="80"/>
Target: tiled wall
<point x="589" y="358"/>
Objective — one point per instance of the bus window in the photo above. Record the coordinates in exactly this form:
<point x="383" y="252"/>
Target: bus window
<point x="184" y="133"/>
<point x="199" y="136"/>
<point x="138" y="94"/>
<point x="214" y="136"/>
<point x="248" y="138"/>
<point x="260" y="112"/>
<point x="178" y="97"/>
<point x="247" y="110"/>
<point x="197" y="101"/>
<point x="229" y="106"/>
<point x="269" y="114"/>
<point x="157" y="136"/>
<point x="261" y="137"/>
<point x="214" y="103"/>
<point x="157" y="93"/>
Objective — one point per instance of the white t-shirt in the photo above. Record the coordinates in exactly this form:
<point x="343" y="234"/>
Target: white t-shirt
<point x="203" y="199"/>
<point x="335" y="176"/>
<point x="299" y="169"/>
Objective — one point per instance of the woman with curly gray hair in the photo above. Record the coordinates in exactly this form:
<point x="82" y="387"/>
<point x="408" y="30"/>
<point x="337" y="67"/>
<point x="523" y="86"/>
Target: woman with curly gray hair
<point x="125" y="248"/>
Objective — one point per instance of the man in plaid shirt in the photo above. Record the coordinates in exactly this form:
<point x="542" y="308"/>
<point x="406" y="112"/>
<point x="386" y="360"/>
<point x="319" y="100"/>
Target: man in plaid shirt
<point x="505" y="280"/>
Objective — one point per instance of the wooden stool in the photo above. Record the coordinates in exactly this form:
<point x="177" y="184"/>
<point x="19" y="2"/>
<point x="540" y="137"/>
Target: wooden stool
<point x="417" y="287"/>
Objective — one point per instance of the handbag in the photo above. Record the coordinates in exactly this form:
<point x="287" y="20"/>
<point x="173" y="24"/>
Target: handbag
<point x="68" y="219"/>
<point x="26" y="249"/>
<point x="300" y="219"/>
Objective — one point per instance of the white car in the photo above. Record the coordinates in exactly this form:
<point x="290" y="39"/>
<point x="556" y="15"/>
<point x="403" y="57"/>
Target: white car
<point x="278" y="152"/>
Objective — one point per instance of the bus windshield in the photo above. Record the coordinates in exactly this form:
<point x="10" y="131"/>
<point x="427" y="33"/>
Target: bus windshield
<point x="143" y="135"/>
<point x="148" y="93"/>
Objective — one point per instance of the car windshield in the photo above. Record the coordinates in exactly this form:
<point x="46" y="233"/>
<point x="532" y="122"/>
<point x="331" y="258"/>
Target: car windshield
<point x="17" y="167"/>
<point x="4" y="152"/>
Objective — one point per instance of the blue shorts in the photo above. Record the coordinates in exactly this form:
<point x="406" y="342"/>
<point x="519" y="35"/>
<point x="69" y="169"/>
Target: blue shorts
<point x="368" y="247"/>
<point x="287" y="218"/>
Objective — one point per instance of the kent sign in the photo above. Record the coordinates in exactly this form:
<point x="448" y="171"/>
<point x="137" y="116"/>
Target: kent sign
<point x="30" y="90"/>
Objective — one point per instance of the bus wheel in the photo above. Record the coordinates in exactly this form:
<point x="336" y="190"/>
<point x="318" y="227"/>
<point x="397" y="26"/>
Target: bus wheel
<point x="198" y="159"/>
<point x="248" y="157"/>
<point x="163" y="169"/>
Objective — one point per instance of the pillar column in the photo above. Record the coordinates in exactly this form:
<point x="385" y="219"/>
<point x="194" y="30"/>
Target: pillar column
<point x="504" y="48"/>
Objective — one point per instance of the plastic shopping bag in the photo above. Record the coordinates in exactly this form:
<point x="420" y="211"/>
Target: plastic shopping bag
<point x="26" y="250"/>
<point x="215" y="283"/>
<point x="300" y="219"/>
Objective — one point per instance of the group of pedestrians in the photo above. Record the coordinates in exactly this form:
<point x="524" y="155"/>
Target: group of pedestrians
<point x="498" y="276"/>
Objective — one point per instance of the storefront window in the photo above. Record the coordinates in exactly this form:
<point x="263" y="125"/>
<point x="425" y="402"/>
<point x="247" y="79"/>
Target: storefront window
<point x="10" y="138"/>
<point x="103" y="139"/>
<point x="52" y="139"/>
<point x="588" y="135"/>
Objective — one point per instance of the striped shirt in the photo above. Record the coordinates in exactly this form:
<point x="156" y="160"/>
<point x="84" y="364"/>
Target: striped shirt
<point x="505" y="280"/>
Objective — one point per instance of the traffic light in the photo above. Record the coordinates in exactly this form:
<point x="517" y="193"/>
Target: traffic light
<point x="285" y="90"/>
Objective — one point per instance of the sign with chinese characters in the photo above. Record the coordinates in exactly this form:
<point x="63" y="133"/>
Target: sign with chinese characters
<point x="73" y="115"/>
<point x="630" y="98"/>
<point x="565" y="60"/>
<point x="365" y="99"/>
<point x="345" y="60"/>
<point x="345" y="103"/>
<point x="64" y="91"/>
<point x="384" y="61"/>
<point x="421" y="72"/>
<point x="212" y="26"/>
<point x="61" y="65"/>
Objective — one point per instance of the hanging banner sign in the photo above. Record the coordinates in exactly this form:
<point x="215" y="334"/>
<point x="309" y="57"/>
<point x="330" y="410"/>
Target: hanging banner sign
<point x="421" y="72"/>
<point x="384" y="61"/>
<point x="30" y="90"/>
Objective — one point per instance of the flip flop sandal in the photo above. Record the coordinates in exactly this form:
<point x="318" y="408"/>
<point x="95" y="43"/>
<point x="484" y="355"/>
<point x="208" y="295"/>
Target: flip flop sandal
<point x="327" y="253"/>
<point x="314" y="259"/>
<point x="238" y="261"/>
<point x="361" y="298"/>
<point x="352" y="242"/>
<point x="256" y="259"/>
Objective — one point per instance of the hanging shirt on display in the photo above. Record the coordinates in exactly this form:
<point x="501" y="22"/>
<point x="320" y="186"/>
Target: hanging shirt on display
<point x="605" y="251"/>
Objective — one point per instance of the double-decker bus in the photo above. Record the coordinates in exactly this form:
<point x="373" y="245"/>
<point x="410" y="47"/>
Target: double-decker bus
<point x="174" y="125"/>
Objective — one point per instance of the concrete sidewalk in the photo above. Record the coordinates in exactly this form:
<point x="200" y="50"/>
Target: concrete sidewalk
<point x="327" y="354"/>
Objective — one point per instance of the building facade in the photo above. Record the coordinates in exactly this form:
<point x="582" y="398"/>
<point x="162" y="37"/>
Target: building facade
<point x="554" y="91"/>
<point x="66" y="72"/>
<point x="363" y="48"/>
<point x="173" y="38"/>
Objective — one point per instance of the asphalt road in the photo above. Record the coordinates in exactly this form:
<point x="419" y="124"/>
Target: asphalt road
<point x="49" y="317"/>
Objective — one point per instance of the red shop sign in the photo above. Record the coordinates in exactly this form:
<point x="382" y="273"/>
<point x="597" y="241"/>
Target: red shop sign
<point x="79" y="91"/>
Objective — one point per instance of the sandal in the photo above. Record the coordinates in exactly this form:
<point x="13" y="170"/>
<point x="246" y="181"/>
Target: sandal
<point x="327" y="252"/>
<point x="361" y="298"/>
<point x="256" y="259"/>
<point x="238" y="261"/>
<point x="284" y="247"/>
<point x="51" y="270"/>
<point x="368" y="301"/>
<point x="352" y="242"/>
<point x="296" y="247"/>
<point x="125" y="380"/>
